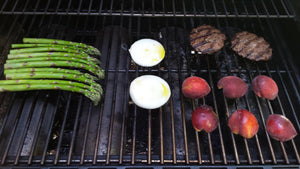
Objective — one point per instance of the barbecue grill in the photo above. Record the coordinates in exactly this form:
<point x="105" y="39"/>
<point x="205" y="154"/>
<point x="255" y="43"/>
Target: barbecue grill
<point x="56" y="129"/>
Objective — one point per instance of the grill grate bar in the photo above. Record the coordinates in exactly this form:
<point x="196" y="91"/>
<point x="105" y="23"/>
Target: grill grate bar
<point x="14" y="7"/>
<point x="149" y="137"/>
<point x="245" y="7"/>
<point x="161" y="132"/>
<point x="62" y="129"/>
<point x="47" y="6"/>
<point x="225" y="8"/>
<point x="38" y="127"/>
<point x="90" y="6"/>
<point x="133" y="136"/>
<point x="86" y="134"/>
<point x="285" y="8"/>
<point x="57" y="6"/>
<point x="49" y="132"/>
<point x="74" y="130"/>
<point x="197" y="139"/>
<point x="265" y="8"/>
<point x="173" y="130"/>
<point x="4" y="5"/>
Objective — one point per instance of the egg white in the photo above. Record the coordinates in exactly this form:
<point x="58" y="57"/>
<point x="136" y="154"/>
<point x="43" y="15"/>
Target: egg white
<point x="147" y="52"/>
<point x="149" y="91"/>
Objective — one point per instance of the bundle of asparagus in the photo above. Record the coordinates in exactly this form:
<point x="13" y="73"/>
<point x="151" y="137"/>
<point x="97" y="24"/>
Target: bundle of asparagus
<point x="50" y="64"/>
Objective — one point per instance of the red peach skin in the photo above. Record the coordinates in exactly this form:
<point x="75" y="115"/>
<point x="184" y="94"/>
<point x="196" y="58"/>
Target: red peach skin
<point x="233" y="87"/>
<point x="264" y="86"/>
<point x="204" y="118"/>
<point x="244" y="123"/>
<point x="195" y="87"/>
<point x="280" y="128"/>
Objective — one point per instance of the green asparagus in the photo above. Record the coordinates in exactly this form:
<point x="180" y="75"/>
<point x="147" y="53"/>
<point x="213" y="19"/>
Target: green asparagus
<point x="53" y="54"/>
<point x="50" y="70"/>
<point x="89" y="48"/>
<point x="45" y="49"/>
<point x="48" y="75"/>
<point x="95" y="87"/>
<point x="44" y="64"/>
<point x="98" y="72"/>
<point x="27" y="46"/>
<point x="91" y="94"/>
<point x="53" y="59"/>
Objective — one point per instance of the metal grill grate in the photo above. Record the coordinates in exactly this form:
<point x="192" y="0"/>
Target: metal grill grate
<point x="60" y="128"/>
<point x="152" y="8"/>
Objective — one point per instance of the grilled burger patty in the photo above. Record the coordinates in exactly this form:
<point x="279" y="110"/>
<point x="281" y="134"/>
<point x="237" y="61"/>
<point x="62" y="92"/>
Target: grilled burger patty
<point x="207" y="39"/>
<point x="251" y="46"/>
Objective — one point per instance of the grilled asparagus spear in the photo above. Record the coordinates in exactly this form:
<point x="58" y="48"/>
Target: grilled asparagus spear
<point x="50" y="70"/>
<point x="48" y="75"/>
<point x="53" y="54"/>
<point x="98" y="72"/>
<point x="89" y="49"/>
<point x="91" y="93"/>
<point x="54" y="59"/>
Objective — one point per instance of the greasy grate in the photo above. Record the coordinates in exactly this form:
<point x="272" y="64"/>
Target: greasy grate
<point x="61" y="128"/>
<point x="152" y="8"/>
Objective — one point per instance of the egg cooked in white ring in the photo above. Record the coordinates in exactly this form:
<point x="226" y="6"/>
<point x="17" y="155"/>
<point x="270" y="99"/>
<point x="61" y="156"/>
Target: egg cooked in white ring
<point x="149" y="91"/>
<point x="147" y="52"/>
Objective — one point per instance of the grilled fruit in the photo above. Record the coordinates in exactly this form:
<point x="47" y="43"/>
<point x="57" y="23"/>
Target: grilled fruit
<point x="204" y="118"/>
<point x="249" y="45"/>
<point x="195" y="87"/>
<point x="233" y="87"/>
<point x="207" y="39"/>
<point x="244" y="123"/>
<point x="264" y="86"/>
<point x="280" y="128"/>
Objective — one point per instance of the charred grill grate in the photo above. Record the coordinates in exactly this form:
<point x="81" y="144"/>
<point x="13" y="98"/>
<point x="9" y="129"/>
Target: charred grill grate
<point x="152" y="8"/>
<point x="51" y="128"/>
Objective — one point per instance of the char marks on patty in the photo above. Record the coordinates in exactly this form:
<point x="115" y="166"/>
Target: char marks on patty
<point x="207" y="39"/>
<point x="251" y="46"/>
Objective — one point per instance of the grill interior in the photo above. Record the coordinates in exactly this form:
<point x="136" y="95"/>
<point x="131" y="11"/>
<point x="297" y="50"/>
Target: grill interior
<point x="62" y="129"/>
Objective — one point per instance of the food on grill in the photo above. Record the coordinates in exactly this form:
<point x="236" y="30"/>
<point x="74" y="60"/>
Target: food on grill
<point x="149" y="91"/>
<point x="63" y="55"/>
<point x="204" y="118"/>
<point x="207" y="39"/>
<point x="264" y="86"/>
<point x="195" y="87"/>
<point x="280" y="128"/>
<point x="41" y="44"/>
<point x="233" y="87"/>
<point x="147" y="52"/>
<point x="251" y="46"/>
<point x="244" y="123"/>
<point x="96" y="70"/>
<point x="44" y="69"/>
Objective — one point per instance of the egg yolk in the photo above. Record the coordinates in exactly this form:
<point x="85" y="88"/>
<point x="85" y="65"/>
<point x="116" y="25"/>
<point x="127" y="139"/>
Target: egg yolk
<point x="165" y="91"/>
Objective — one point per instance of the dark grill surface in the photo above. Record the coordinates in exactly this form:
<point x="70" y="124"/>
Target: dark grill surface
<point x="62" y="129"/>
<point x="153" y="8"/>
